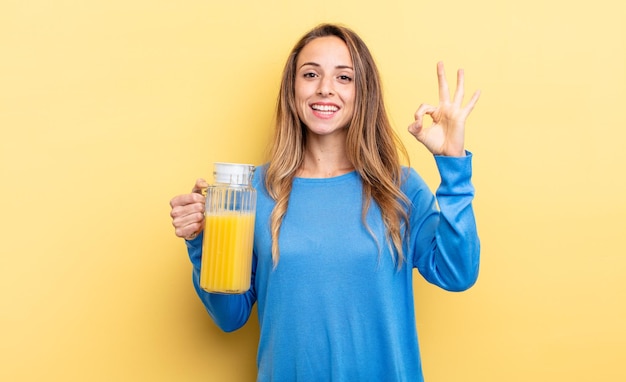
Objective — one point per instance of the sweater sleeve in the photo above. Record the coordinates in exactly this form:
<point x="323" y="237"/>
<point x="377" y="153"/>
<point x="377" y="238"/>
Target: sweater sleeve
<point x="229" y="312"/>
<point x="446" y="248"/>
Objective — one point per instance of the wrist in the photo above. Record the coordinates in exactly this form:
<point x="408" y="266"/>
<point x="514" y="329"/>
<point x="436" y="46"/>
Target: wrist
<point x="454" y="153"/>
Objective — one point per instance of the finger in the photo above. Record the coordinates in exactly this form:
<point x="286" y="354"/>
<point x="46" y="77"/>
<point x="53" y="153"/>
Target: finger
<point x="444" y="92"/>
<point x="182" y="200"/>
<point x="472" y="102"/>
<point x="187" y="219"/>
<point x="189" y="232"/>
<point x="200" y="186"/>
<point x="460" y="87"/>
<point x="424" y="109"/>
<point x="181" y="211"/>
<point x="189" y="223"/>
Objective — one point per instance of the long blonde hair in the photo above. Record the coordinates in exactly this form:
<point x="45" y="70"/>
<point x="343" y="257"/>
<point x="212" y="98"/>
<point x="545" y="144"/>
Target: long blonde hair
<point x="372" y="145"/>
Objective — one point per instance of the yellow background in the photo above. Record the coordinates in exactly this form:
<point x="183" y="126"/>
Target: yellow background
<point x="110" y="108"/>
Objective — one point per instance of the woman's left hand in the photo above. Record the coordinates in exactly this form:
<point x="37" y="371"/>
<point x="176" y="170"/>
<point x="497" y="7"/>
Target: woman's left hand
<point x="446" y="135"/>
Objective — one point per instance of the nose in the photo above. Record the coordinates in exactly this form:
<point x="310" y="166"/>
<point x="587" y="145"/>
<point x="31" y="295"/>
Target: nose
<point x="325" y="87"/>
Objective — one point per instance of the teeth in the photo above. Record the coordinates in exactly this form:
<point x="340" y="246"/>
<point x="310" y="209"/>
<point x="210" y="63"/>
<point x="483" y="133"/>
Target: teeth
<point x="325" y="108"/>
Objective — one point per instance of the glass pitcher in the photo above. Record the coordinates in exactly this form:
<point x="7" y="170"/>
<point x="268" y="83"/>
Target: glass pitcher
<point x="229" y="230"/>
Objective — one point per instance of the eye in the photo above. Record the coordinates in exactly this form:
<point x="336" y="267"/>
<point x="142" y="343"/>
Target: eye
<point x="309" y="75"/>
<point x="344" y="78"/>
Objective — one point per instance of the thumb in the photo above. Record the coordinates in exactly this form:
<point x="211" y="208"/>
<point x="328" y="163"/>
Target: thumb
<point x="415" y="128"/>
<point x="200" y="186"/>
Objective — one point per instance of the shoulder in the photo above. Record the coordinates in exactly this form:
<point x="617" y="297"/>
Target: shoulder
<point x="411" y="181"/>
<point x="415" y="189"/>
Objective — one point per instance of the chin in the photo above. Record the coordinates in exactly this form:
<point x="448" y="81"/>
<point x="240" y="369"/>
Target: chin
<point x="326" y="130"/>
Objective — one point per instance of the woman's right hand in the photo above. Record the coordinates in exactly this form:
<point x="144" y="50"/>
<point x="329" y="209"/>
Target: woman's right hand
<point x="188" y="212"/>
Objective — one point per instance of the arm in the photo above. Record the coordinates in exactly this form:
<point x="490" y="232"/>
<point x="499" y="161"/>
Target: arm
<point x="230" y="312"/>
<point x="445" y="242"/>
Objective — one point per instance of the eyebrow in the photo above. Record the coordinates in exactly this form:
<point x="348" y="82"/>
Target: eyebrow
<point x="318" y="65"/>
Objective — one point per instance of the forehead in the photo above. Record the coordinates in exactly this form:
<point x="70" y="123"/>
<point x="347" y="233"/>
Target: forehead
<point x="327" y="50"/>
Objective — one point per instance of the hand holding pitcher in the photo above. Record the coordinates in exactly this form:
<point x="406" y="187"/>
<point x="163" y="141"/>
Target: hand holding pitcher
<point x="188" y="212"/>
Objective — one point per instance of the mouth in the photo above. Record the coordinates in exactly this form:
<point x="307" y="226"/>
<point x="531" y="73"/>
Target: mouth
<point x="324" y="110"/>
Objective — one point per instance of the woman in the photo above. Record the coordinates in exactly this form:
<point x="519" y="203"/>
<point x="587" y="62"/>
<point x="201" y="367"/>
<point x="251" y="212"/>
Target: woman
<point x="341" y="224"/>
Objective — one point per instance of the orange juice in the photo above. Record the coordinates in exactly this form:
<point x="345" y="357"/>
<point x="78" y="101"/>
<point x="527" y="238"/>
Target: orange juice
<point x="227" y="252"/>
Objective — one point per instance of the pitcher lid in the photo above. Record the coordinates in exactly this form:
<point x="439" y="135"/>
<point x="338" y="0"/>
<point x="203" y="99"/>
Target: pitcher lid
<point x="233" y="173"/>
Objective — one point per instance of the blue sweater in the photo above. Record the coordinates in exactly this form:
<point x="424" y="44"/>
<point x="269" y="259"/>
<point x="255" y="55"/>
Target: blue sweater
<point x="336" y="308"/>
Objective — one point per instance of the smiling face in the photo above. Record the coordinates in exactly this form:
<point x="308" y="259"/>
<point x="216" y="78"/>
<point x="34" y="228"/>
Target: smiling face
<point x="324" y="86"/>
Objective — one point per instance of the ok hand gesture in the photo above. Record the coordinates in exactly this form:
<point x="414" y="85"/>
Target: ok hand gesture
<point x="446" y="135"/>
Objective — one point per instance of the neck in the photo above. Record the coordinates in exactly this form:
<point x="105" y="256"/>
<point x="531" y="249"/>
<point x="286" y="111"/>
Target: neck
<point x="324" y="158"/>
